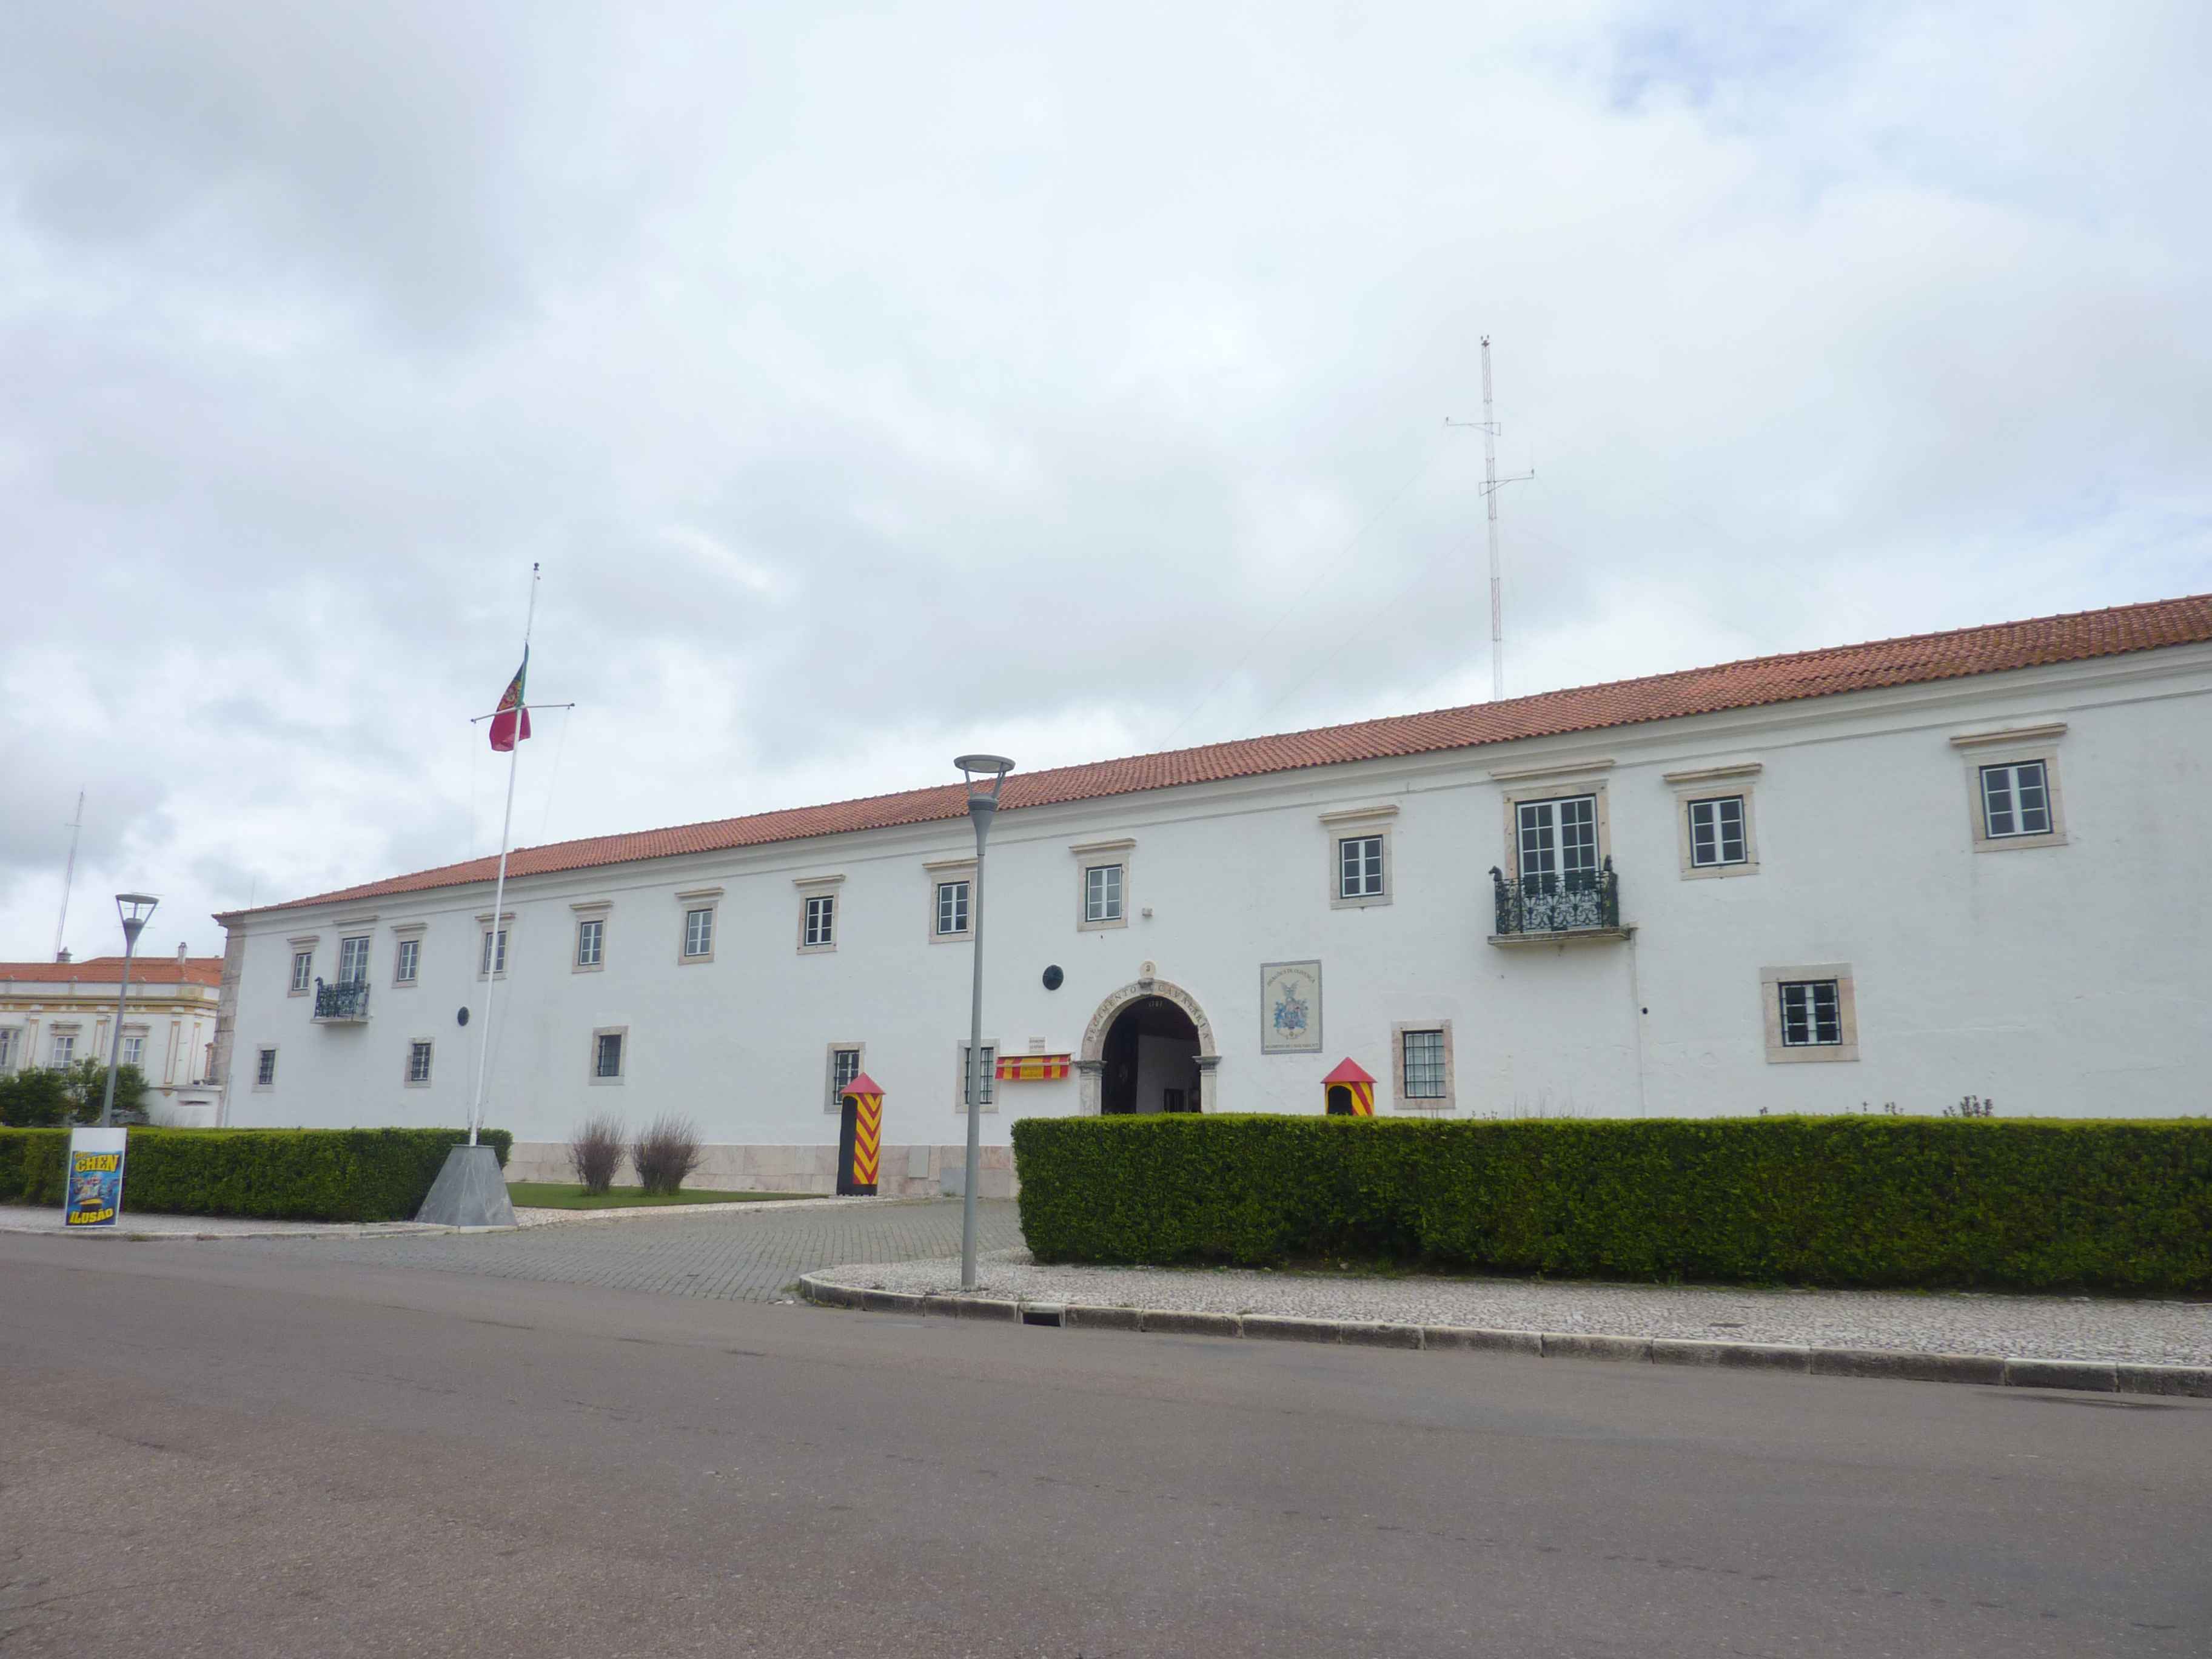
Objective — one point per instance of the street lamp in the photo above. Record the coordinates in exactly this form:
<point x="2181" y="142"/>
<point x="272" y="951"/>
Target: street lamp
<point x="136" y="909"/>
<point x="985" y="775"/>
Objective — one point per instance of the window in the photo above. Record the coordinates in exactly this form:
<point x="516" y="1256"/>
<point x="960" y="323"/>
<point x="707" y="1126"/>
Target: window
<point x="1811" y="1012"/>
<point x="699" y="932"/>
<point x="607" y="1046"/>
<point x="844" y="1067"/>
<point x="64" y="1050"/>
<point x="591" y="942"/>
<point x="1425" y="1065"/>
<point x="494" y="958"/>
<point x="418" y="1062"/>
<point x="303" y="971"/>
<point x="406" y="962"/>
<point x="1716" y="832"/>
<point x="951" y="908"/>
<point x="1559" y="844"/>
<point x="6" y="1048"/>
<point x="990" y="1070"/>
<point x="819" y="930"/>
<point x="353" y="962"/>
<point x="134" y="1050"/>
<point x="2015" y="801"/>
<point x="1359" y="866"/>
<point x="265" y="1069"/>
<point x="1101" y="893"/>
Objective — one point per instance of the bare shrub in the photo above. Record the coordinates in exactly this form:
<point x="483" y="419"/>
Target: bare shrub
<point x="595" y="1151"/>
<point x="666" y="1153"/>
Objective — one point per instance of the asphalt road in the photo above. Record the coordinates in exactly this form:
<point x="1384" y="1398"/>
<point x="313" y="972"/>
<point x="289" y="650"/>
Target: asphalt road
<point x="213" y="1450"/>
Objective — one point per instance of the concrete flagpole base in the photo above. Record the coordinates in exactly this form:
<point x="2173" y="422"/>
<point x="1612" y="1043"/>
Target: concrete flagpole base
<point x="469" y="1192"/>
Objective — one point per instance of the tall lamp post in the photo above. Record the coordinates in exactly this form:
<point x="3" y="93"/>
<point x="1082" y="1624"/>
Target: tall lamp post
<point x="136" y="909"/>
<point x="985" y="775"/>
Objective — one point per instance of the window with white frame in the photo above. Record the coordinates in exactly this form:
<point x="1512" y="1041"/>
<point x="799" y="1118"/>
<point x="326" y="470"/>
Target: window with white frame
<point x="492" y="958"/>
<point x="1812" y="1013"/>
<point x="951" y="908"/>
<point x="591" y="942"/>
<point x="1717" y="836"/>
<point x="352" y="961"/>
<point x="303" y="970"/>
<point x="1102" y="892"/>
<point x="134" y="1050"/>
<point x="8" y="1040"/>
<point x="699" y="932"/>
<point x="1559" y="844"/>
<point x="1359" y="866"/>
<point x="2016" y="799"/>
<point x="418" y="1062"/>
<point x="844" y="1067"/>
<point x="988" y="1068"/>
<point x="819" y="930"/>
<point x="65" y="1048"/>
<point x="607" y="1055"/>
<point x="265" y="1069"/>
<point x="407" y="961"/>
<point x="1423" y="1056"/>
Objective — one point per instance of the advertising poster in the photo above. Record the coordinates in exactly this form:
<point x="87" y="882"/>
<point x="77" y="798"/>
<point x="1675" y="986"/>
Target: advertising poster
<point x="92" y="1188"/>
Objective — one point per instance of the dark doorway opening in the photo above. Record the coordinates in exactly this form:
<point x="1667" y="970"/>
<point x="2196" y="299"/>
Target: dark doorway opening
<point x="1340" y="1101"/>
<point x="1151" y="1056"/>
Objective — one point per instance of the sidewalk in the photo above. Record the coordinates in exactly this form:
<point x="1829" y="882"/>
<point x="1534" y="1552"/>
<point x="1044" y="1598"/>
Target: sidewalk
<point x="2099" y="1329"/>
<point x="47" y="1218"/>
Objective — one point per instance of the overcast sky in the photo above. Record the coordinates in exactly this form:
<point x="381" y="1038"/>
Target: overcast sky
<point x="1066" y="381"/>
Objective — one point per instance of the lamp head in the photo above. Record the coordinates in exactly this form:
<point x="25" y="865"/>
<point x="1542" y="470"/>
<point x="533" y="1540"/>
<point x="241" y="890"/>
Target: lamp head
<point x="985" y="775"/>
<point x="136" y="909"/>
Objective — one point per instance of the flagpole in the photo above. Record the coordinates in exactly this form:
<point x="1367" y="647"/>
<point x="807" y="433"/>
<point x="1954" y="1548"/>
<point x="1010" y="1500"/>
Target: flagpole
<point x="493" y="966"/>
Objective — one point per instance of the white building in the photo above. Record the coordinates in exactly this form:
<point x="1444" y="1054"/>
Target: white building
<point x="56" y="1014"/>
<point x="1964" y="863"/>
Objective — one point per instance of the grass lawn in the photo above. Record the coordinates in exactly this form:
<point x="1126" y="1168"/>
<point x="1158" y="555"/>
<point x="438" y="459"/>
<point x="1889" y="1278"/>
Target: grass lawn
<point x="566" y="1195"/>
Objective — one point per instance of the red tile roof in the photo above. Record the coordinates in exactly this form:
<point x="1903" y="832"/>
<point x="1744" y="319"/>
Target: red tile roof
<point x="108" y="970"/>
<point x="1755" y="682"/>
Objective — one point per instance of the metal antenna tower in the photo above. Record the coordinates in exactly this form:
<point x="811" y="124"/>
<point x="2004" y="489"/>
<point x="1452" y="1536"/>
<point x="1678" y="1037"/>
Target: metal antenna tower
<point x="1491" y="483"/>
<point x="69" y="875"/>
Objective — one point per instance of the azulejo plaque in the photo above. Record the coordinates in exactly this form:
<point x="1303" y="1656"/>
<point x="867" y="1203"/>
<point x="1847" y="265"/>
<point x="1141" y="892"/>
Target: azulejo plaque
<point x="1290" y="1007"/>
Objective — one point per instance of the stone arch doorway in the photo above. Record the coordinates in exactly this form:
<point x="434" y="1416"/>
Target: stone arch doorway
<point x="1149" y="1048"/>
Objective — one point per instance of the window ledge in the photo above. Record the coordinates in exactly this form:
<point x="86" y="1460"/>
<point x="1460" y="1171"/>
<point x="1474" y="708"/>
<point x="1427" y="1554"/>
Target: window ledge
<point x="1572" y="936"/>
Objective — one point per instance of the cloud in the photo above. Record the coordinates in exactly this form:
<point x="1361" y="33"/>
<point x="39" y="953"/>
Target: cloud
<point x="877" y="383"/>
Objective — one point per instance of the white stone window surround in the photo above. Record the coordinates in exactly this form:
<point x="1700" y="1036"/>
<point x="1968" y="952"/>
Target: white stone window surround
<point x="426" y="1050"/>
<point x="11" y="1044"/>
<point x="992" y="1050"/>
<point x="353" y="959"/>
<point x="1090" y="855"/>
<point x="1564" y="780"/>
<point x="2016" y="745"/>
<point x="587" y="912"/>
<point x="264" y="1067"/>
<point x="621" y="1034"/>
<point x="943" y="872"/>
<point x="500" y="957"/>
<point x="407" y="953"/>
<point x="1716" y="783"/>
<point x="817" y="923"/>
<point x="303" y="975"/>
<point x="832" y="1102"/>
<point x="1771" y="982"/>
<point x="708" y="899"/>
<point x="1359" y="823"/>
<point x="1399" y="1099"/>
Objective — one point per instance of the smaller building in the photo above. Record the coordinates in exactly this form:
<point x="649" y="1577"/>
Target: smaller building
<point x="56" y="1014"/>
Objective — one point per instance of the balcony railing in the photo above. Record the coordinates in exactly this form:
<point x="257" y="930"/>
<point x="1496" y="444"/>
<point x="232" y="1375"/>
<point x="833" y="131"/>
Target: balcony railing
<point x="346" y="1001"/>
<point x="1584" y="904"/>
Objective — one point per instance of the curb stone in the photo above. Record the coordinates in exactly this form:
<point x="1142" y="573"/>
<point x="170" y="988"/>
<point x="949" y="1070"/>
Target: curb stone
<point x="1987" y="1371"/>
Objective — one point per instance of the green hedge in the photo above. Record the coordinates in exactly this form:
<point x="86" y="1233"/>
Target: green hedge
<point x="2022" y="1205"/>
<point x="290" y="1174"/>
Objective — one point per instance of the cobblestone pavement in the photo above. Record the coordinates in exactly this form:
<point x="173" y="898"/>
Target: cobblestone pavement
<point x="749" y="1258"/>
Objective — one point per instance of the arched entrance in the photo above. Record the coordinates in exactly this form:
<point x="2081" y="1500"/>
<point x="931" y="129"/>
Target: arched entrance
<point x="1340" y="1101"/>
<point x="1148" y="1048"/>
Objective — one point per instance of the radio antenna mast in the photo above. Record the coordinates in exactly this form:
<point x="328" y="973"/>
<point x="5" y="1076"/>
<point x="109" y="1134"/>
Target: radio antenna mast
<point x="1491" y="483"/>
<point x="69" y="875"/>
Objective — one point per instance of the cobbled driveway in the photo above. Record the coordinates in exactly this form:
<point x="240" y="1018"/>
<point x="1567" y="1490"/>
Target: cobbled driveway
<point x="748" y="1258"/>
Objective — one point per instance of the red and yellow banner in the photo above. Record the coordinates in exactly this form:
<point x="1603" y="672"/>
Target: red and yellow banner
<point x="1033" y="1068"/>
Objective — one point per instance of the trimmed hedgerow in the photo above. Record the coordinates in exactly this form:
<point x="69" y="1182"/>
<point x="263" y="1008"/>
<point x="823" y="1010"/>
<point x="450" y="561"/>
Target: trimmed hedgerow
<point x="2021" y="1205"/>
<point x="289" y="1175"/>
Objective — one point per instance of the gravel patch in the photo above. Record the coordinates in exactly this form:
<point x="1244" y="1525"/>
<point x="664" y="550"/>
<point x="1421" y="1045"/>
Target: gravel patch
<point x="1960" y="1322"/>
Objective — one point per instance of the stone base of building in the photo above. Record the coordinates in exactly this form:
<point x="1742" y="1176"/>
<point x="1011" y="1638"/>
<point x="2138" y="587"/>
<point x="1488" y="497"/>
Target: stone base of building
<point x="904" y="1171"/>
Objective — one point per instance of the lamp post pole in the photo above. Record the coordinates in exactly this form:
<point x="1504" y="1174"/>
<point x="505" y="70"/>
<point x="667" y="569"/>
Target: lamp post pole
<point x="985" y="773"/>
<point x="129" y="907"/>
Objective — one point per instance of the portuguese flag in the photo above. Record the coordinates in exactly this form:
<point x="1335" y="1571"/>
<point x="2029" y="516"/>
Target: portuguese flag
<point x="505" y="733"/>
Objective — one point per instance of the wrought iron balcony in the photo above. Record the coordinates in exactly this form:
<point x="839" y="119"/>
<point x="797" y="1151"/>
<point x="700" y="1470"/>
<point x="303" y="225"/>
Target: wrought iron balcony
<point x="1544" y="909"/>
<point x="344" y="1003"/>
